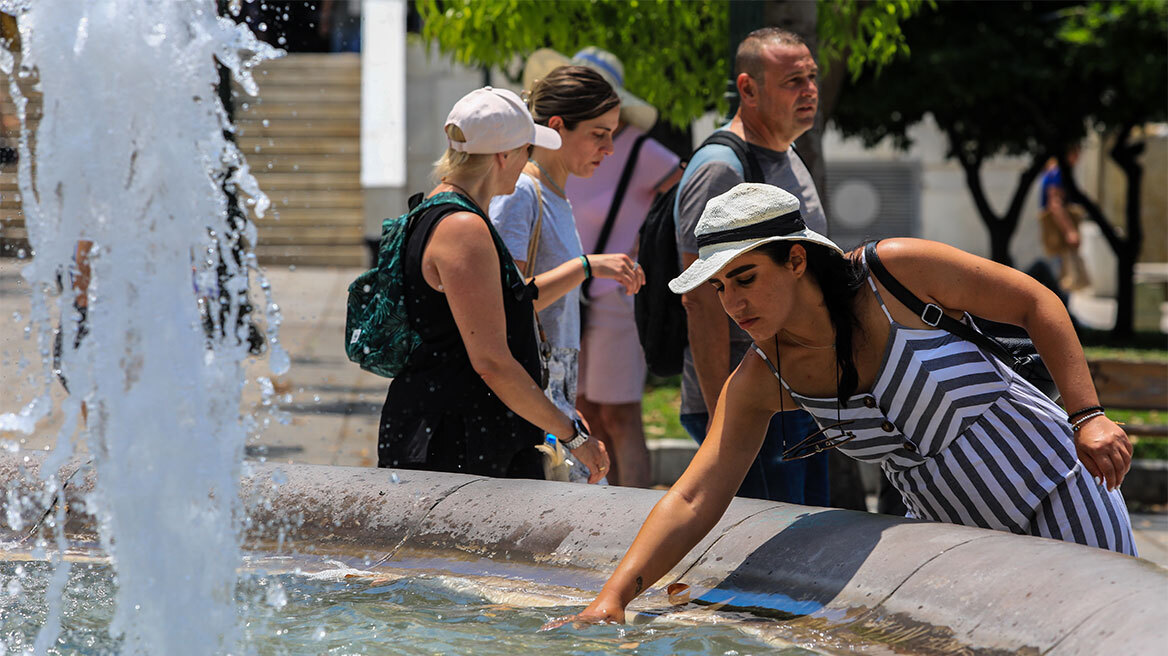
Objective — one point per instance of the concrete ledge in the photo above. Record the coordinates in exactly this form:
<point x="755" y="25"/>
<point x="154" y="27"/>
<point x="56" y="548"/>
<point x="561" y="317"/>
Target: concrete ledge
<point x="946" y="587"/>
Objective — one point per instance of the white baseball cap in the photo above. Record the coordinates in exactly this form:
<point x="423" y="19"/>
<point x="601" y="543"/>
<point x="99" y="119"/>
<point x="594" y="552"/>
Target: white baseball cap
<point x="744" y="218"/>
<point x="496" y="121"/>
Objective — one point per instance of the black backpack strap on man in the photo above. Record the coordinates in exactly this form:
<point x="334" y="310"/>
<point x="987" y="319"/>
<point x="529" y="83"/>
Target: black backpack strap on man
<point x="661" y="319"/>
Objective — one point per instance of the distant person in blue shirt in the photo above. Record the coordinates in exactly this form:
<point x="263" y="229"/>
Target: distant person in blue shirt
<point x="1060" y="227"/>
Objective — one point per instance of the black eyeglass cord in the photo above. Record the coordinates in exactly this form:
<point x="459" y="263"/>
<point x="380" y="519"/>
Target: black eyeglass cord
<point x="783" y="422"/>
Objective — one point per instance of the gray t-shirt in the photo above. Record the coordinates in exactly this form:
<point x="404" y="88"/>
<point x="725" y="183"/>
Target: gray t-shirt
<point x="713" y="171"/>
<point x="514" y="217"/>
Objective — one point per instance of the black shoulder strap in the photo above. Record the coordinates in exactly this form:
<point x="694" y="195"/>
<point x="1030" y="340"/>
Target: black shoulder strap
<point x="619" y="195"/>
<point x="751" y="170"/>
<point x="929" y="313"/>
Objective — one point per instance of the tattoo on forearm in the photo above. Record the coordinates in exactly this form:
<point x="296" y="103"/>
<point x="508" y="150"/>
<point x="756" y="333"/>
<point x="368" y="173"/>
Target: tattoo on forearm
<point x="640" y="586"/>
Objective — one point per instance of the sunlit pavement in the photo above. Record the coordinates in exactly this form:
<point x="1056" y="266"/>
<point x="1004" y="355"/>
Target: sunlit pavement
<point x="324" y="410"/>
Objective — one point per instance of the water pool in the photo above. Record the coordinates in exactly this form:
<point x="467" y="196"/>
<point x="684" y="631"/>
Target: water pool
<point x="332" y="608"/>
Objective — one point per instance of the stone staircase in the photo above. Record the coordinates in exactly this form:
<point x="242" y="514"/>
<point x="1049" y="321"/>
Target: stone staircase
<point x="301" y="138"/>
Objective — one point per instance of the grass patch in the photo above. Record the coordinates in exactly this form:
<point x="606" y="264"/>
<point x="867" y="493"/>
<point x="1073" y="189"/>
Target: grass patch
<point x="1144" y="346"/>
<point x="660" y="408"/>
<point x="1149" y="448"/>
<point x="1138" y="417"/>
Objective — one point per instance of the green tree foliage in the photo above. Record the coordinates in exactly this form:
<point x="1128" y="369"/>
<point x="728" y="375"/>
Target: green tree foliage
<point x="864" y="33"/>
<point x="1023" y="79"/>
<point x="675" y="52"/>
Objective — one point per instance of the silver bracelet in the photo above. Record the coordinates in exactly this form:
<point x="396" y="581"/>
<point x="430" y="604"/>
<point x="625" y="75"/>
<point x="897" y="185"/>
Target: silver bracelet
<point x="1078" y="423"/>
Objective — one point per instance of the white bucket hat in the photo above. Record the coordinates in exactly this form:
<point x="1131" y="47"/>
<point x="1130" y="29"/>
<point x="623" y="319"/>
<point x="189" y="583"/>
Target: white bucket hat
<point x="496" y="121"/>
<point x="746" y="217"/>
<point x="634" y="111"/>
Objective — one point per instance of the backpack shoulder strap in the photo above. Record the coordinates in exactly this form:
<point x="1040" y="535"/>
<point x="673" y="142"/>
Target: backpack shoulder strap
<point x="751" y="169"/>
<point x="930" y="313"/>
<point x="619" y="195"/>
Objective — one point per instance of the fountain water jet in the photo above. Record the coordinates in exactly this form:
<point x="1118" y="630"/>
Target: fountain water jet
<point x="131" y="155"/>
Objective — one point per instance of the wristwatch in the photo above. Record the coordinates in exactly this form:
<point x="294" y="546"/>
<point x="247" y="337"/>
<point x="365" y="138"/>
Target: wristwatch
<point x="579" y="437"/>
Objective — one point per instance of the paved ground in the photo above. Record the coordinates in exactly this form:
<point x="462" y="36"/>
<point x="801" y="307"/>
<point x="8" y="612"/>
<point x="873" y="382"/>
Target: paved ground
<point x="327" y="408"/>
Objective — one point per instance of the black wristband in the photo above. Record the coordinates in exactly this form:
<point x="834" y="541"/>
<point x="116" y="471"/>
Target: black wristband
<point x="1083" y="411"/>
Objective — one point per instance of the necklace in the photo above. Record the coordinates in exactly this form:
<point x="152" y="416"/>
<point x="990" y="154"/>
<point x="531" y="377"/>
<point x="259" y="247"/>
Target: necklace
<point x="548" y="179"/>
<point x="462" y="191"/>
<point x="804" y="344"/>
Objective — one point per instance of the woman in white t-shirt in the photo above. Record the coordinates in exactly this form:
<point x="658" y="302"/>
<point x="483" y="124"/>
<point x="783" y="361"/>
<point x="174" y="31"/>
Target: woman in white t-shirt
<point x="582" y="107"/>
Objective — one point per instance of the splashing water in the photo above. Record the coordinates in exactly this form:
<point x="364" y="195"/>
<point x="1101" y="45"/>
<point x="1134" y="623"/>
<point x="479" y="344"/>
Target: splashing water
<point x="131" y="156"/>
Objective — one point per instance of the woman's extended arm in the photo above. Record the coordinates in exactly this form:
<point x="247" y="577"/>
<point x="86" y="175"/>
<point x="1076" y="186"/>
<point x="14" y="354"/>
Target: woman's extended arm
<point x="698" y="499"/>
<point x="956" y="280"/>
<point x="465" y="267"/>
<point x="553" y="284"/>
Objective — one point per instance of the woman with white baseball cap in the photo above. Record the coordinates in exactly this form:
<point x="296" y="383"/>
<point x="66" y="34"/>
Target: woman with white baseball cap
<point x="963" y="437"/>
<point x="469" y="400"/>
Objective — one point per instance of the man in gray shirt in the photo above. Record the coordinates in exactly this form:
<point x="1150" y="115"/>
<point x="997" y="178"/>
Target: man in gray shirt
<point x="777" y="86"/>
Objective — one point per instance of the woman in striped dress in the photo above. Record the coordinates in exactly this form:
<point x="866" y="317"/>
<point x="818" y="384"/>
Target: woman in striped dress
<point x="962" y="437"/>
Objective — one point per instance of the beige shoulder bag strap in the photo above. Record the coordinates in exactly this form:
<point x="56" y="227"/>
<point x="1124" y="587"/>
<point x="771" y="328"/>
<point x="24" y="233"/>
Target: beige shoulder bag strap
<point x="545" y="349"/>
<point x="533" y="242"/>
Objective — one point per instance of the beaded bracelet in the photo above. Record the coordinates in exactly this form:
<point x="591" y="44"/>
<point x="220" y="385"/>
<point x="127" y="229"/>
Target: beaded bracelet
<point x="587" y="267"/>
<point x="1078" y="423"/>
<point x="1083" y="411"/>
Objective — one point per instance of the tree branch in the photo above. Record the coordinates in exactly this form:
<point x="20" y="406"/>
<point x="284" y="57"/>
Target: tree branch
<point x="1075" y="195"/>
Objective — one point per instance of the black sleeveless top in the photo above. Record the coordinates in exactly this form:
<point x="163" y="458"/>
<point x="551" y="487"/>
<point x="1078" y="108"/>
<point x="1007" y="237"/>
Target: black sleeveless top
<point x="439" y="415"/>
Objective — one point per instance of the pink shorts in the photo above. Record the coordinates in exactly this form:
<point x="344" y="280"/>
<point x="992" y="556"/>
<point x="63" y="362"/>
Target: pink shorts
<point x="612" y="364"/>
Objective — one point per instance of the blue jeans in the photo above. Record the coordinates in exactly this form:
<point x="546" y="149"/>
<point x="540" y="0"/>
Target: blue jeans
<point x="801" y="481"/>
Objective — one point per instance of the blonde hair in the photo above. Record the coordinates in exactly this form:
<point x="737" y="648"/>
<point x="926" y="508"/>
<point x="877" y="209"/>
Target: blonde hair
<point x="455" y="161"/>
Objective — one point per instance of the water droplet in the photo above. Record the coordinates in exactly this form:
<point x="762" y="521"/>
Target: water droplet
<point x="262" y="27"/>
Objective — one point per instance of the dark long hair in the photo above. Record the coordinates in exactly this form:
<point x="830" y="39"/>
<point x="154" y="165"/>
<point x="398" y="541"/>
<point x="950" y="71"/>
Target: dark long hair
<point x="574" y="93"/>
<point x="840" y="278"/>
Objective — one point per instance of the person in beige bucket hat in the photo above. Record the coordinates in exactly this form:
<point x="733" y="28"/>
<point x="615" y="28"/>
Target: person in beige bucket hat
<point x="964" y="438"/>
<point x="634" y="110"/>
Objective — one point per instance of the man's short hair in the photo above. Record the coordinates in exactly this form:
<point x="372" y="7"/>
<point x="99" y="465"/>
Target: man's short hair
<point x="748" y="58"/>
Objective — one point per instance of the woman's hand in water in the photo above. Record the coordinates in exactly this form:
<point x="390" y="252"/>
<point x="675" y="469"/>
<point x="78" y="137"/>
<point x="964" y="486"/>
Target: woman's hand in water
<point x="618" y="267"/>
<point x="600" y="611"/>
<point x="593" y="455"/>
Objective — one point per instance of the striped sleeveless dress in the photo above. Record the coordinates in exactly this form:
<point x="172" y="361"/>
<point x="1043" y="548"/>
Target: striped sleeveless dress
<point x="965" y="440"/>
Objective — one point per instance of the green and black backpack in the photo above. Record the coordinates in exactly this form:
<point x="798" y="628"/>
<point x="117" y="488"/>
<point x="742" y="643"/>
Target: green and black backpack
<point x="378" y="335"/>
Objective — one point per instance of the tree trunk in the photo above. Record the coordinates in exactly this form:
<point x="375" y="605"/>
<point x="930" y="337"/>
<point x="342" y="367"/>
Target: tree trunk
<point x="1001" y="228"/>
<point x="1126" y="154"/>
<point x="1127" y="249"/>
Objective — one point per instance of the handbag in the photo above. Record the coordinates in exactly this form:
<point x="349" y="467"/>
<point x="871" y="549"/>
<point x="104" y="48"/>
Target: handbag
<point x="1009" y="344"/>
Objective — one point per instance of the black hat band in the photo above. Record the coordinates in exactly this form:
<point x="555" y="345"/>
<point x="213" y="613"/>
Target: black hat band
<point x="784" y="224"/>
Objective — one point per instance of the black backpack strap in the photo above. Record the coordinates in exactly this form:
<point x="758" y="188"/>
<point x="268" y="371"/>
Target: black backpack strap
<point x="618" y="197"/>
<point x="932" y="314"/>
<point x="751" y="170"/>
